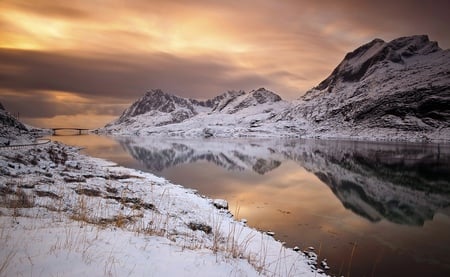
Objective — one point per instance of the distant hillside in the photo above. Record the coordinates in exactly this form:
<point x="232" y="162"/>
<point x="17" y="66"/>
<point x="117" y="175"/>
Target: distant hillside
<point x="10" y="127"/>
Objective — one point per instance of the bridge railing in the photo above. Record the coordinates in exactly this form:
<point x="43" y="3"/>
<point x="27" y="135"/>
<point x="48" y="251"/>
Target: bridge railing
<point x="18" y="146"/>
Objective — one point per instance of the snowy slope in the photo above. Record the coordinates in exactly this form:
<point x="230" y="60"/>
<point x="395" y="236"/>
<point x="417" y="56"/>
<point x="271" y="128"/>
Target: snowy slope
<point x="66" y="214"/>
<point x="398" y="90"/>
<point x="392" y="90"/>
<point x="12" y="131"/>
<point x="230" y="114"/>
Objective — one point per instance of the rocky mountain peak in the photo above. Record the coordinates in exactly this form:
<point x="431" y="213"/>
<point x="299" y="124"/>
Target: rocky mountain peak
<point x="158" y="101"/>
<point x="235" y="101"/>
<point x="357" y="63"/>
<point x="219" y="100"/>
<point x="263" y="95"/>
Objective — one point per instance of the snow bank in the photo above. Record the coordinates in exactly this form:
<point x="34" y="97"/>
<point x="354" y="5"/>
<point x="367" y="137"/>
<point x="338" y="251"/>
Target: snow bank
<point x="63" y="213"/>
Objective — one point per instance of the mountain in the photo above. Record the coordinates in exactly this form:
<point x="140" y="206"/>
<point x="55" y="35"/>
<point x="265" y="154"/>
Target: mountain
<point x="161" y="107"/>
<point x="231" y="113"/>
<point x="397" y="90"/>
<point x="10" y="127"/>
<point x="235" y="102"/>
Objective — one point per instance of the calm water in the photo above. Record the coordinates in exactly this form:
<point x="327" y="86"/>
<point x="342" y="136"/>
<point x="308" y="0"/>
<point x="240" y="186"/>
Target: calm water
<point x="388" y="203"/>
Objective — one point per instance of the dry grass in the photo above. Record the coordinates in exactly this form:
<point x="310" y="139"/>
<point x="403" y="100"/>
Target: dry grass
<point x="15" y="199"/>
<point x="351" y="259"/>
<point x="112" y="207"/>
<point x="5" y="263"/>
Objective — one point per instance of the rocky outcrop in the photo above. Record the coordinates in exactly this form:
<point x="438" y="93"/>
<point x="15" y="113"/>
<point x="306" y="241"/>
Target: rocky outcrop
<point x="8" y="121"/>
<point x="12" y="129"/>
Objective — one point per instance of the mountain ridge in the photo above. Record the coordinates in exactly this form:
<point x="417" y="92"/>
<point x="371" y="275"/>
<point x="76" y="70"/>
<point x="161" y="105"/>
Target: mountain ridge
<point x="396" y="90"/>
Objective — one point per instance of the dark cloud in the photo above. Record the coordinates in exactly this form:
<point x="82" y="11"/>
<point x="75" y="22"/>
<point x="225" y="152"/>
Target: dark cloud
<point x="123" y="77"/>
<point x="109" y="54"/>
<point x="112" y="79"/>
<point x="390" y="19"/>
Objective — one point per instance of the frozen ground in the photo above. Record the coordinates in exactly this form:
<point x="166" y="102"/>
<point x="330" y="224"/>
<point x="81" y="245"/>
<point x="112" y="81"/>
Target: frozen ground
<point x="66" y="214"/>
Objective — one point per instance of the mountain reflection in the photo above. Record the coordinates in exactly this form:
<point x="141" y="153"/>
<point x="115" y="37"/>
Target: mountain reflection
<point x="405" y="184"/>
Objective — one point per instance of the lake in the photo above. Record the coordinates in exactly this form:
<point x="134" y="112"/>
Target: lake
<point x="370" y="209"/>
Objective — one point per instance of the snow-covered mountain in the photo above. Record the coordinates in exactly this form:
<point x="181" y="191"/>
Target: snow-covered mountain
<point x="159" y="107"/>
<point x="233" y="113"/>
<point x="397" y="90"/>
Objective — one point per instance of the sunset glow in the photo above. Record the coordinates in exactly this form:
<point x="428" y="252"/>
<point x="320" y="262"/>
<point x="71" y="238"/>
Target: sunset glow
<point x="95" y="50"/>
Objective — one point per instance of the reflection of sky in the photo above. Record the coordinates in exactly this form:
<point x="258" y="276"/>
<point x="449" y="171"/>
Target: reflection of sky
<point x="304" y="211"/>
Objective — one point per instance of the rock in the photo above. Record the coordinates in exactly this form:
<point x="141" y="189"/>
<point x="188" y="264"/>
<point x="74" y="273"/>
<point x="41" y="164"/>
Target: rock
<point x="270" y="233"/>
<point x="49" y="194"/>
<point x="244" y="221"/>
<point x="296" y="248"/>
<point x="200" y="226"/>
<point x="220" y="204"/>
<point x="208" y="132"/>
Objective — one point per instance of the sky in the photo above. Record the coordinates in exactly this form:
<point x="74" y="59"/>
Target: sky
<point x="81" y="63"/>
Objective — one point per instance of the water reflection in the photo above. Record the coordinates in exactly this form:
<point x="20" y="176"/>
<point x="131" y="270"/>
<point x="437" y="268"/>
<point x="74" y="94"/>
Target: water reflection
<point x="401" y="183"/>
<point x="392" y="200"/>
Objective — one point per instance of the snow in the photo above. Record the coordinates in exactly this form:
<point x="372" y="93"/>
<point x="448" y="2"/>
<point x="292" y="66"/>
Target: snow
<point x="67" y="214"/>
<point x="413" y="69"/>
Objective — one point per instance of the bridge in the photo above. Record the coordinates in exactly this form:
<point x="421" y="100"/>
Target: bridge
<point x="80" y="131"/>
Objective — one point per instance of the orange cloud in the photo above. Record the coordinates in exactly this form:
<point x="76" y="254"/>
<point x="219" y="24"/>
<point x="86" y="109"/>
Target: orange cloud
<point x="287" y="46"/>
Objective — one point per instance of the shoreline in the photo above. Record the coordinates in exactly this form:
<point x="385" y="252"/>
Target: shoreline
<point x="53" y="187"/>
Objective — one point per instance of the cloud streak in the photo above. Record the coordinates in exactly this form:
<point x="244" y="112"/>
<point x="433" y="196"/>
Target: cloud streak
<point x="111" y="52"/>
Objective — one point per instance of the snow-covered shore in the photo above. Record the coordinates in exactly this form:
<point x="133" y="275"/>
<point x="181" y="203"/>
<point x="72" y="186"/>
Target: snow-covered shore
<point x="63" y="213"/>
